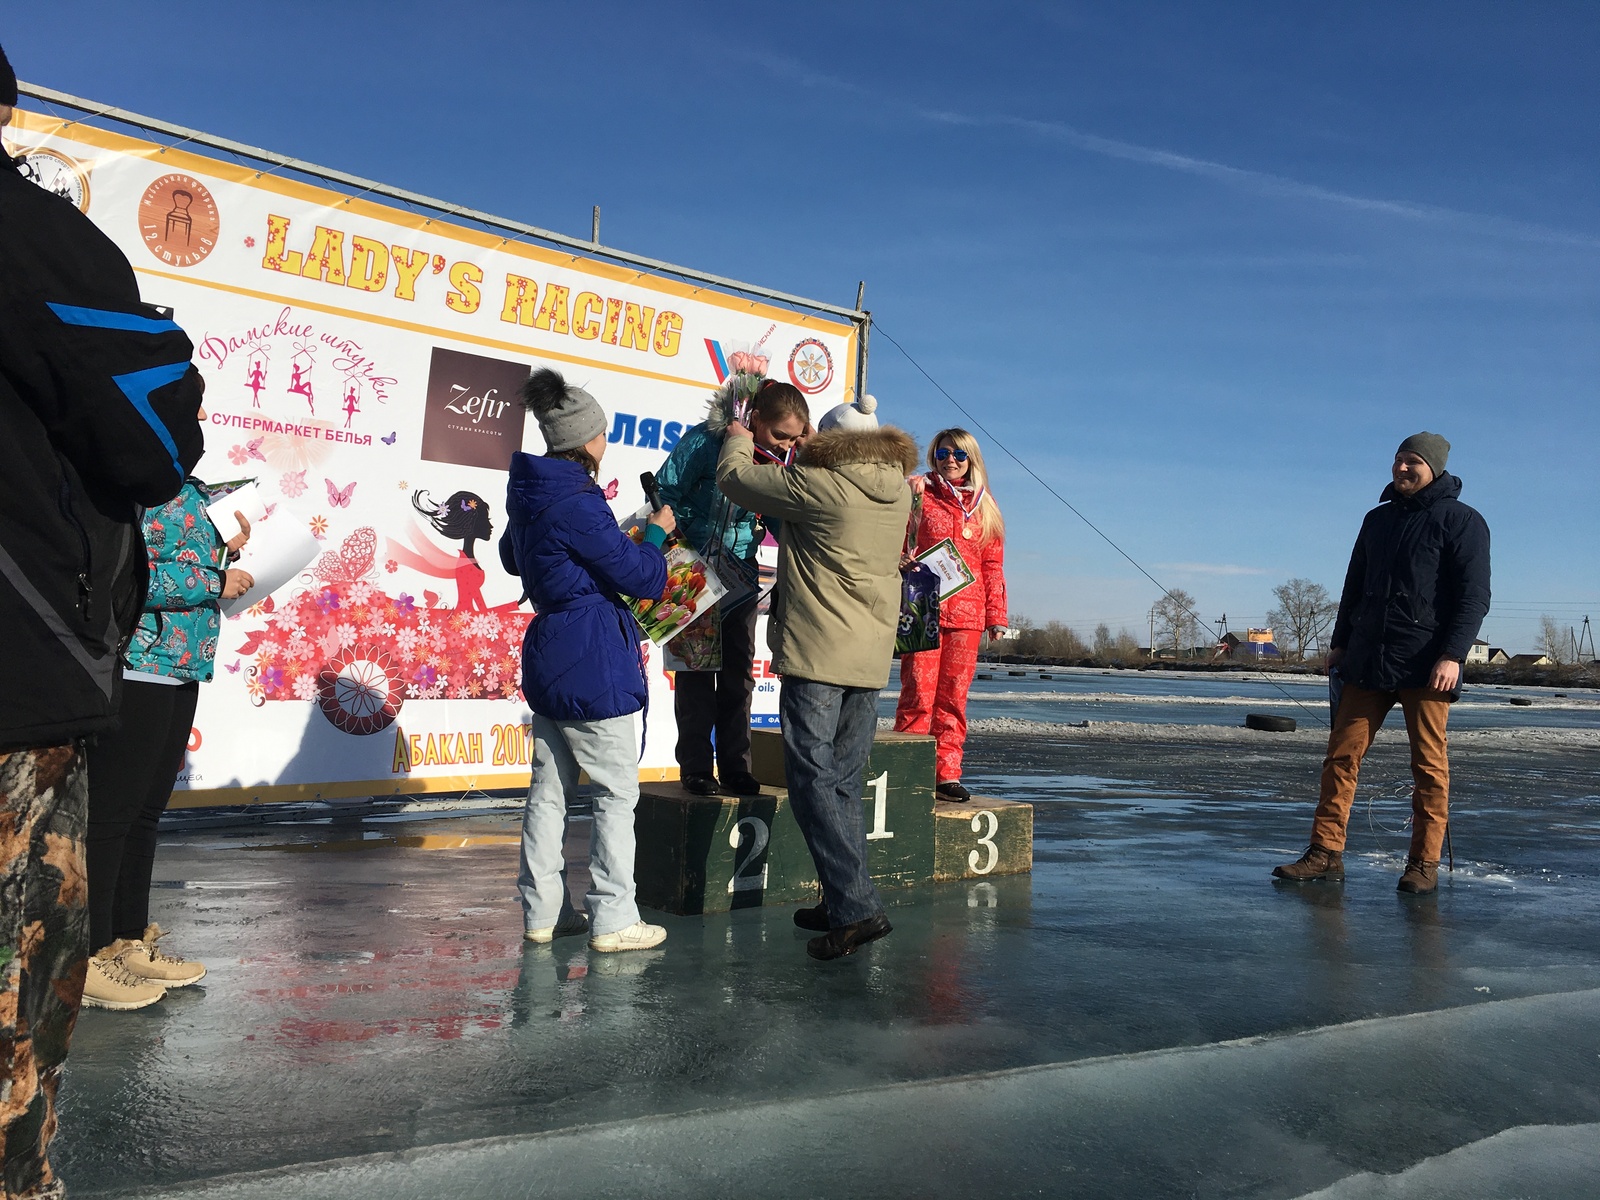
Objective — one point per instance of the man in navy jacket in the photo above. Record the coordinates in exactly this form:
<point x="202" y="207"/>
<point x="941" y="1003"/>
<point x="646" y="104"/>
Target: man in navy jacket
<point x="1414" y="597"/>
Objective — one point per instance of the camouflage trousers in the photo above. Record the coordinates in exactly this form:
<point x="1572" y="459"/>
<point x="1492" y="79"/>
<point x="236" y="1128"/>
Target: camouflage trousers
<point x="44" y="946"/>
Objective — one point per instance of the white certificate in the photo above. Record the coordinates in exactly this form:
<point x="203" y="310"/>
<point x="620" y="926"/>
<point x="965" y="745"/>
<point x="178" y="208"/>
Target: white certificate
<point x="280" y="547"/>
<point x="247" y="500"/>
<point x="946" y="562"/>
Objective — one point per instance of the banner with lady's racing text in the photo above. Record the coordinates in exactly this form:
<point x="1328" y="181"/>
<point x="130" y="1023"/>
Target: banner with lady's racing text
<point x="363" y="366"/>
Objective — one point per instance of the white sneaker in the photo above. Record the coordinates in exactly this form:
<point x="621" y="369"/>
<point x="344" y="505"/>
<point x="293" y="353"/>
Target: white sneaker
<point x="637" y="936"/>
<point x="572" y="922"/>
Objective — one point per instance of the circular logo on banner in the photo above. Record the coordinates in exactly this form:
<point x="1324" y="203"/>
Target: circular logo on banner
<point x="178" y="220"/>
<point x="58" y="174"/>
<point x="360" y="691"/>
<point x="810" y="366"/>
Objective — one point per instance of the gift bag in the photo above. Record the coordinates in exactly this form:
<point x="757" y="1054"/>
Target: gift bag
<point x="741" y="577"/>
<point x="919" y="610"/>
<point x="698" y="647"/>
<point x="920" y="586"/>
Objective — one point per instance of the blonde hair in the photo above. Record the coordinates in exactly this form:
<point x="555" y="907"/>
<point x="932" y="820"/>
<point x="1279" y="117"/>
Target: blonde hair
<point x="991" y="525"/>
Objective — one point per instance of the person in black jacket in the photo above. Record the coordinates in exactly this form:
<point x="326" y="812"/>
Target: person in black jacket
<point x="97" y="418"/>
<point x="1414" y="597"/>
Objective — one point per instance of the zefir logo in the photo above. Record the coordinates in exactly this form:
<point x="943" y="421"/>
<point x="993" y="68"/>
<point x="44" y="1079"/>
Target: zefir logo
<point x="178" y="220"/>
<point x="472" y="417"/>
<point x="810" y="366"/>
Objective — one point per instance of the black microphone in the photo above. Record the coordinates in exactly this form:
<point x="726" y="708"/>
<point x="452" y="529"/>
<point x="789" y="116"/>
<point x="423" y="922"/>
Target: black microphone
<point x="652" y="490"/>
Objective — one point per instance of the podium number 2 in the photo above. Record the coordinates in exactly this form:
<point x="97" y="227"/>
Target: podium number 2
<point x="986" y="840"/>
<point x="745" y="853"/>
<point x="880" y="807"/>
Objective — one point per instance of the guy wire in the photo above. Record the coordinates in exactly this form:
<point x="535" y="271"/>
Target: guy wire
<point x="1037" y="478"/>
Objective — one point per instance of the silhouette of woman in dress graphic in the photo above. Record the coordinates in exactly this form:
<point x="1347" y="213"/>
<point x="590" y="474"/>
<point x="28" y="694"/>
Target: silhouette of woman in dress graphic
<point x="464" y="517"/>
<point x="351" y="406"/>
<point x="256" y="381"/>
<point x="299" y="383"/>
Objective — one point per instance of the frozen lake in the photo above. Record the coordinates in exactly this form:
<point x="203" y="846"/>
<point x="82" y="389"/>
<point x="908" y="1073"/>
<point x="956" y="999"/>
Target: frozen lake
<point x="1194" y="698"/>
<point x="1147" y="1014"/>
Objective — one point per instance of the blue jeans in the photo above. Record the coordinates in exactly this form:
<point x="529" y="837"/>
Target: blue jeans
<point x="827" y="736"/>
<point x="607" y="750"/>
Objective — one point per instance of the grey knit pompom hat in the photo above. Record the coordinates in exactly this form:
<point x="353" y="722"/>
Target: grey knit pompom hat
<point x="568" y="416"/>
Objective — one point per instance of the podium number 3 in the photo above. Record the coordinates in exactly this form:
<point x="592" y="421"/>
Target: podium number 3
<point x="986" y="840"/>
<point x="880" y="807"/>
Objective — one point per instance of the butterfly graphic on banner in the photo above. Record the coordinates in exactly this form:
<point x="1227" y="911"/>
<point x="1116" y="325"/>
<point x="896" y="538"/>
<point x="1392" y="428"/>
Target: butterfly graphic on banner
<point x="611" y="490"/>
<point x="389" y="441"/>
<point x="340" y="497"/>
<point x="352" y="560"/>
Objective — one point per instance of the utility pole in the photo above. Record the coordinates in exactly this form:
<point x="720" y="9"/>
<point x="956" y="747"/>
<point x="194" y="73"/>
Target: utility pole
<point x="1586" y="633"/>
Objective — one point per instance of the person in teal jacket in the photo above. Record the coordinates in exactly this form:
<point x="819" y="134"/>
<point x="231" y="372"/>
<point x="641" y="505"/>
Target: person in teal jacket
<point x="707" y="702"/>
<point x="133" y="767"/>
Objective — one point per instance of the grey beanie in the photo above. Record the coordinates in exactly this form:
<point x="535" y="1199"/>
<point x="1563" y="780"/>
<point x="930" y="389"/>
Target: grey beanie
<point x="860" y="415"/>
<point x="1430" y="448"/>
<point x="568" y="416"/>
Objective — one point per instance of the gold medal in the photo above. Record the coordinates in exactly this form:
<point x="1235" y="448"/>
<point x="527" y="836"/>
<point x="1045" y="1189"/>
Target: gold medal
<point x="966" y="532"/>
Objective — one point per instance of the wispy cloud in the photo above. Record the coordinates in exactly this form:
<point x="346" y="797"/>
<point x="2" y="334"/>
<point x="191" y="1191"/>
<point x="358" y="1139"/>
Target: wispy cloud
<point x="1200" y="568"/>
<point x="1260" y="182"/>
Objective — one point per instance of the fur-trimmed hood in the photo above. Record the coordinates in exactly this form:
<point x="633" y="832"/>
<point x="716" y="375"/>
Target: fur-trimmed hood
<point x="720" y="406"/>
<point x="835" y="448"/>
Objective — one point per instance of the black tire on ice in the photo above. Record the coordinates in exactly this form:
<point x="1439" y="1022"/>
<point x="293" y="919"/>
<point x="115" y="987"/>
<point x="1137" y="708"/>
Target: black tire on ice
<point x="1268" y="723"/>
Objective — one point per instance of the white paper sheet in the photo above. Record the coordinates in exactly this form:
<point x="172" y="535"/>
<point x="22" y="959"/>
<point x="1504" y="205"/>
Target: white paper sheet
<point x="280" y="547"/>
<point x="247" y="500"/>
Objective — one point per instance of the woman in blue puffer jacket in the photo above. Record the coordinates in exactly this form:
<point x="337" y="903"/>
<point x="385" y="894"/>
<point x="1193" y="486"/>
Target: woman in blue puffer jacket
<point x="582" y="672"/>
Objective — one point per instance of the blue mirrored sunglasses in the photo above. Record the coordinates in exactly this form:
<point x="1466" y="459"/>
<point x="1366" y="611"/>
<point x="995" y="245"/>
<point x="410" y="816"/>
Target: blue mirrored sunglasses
<point x="944" y="452"/>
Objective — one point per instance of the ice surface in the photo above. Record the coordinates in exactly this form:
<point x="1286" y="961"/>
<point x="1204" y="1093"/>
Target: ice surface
<point x="1148" y="1014"/>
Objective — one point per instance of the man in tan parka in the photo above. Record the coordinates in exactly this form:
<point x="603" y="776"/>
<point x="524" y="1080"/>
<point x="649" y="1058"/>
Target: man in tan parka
<point x="844" y="507"/>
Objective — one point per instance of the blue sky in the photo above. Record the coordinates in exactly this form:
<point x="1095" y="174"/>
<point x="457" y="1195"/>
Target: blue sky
<point x="1202" y="266"/>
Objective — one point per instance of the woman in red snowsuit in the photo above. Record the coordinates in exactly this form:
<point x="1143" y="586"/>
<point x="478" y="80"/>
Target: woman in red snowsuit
<point x="953" y="501"/>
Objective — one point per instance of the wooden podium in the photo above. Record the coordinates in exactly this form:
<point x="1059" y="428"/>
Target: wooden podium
<point x="706" y="854"/>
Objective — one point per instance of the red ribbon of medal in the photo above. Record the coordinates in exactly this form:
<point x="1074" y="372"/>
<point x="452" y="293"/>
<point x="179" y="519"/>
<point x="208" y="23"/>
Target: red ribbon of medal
<point x="967" y="511"/>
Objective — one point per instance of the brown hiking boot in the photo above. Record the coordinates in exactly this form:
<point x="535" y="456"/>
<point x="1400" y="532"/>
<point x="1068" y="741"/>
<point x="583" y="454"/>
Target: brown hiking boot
<point x="1421" y="877"/>
<point x="1315" y="863"/>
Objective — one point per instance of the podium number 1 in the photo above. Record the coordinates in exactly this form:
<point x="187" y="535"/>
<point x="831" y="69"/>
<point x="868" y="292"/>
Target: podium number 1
<point x="880" y="808"/>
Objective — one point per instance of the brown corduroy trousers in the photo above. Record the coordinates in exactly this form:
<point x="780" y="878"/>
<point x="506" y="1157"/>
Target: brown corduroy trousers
<point x="1360" y="716"/>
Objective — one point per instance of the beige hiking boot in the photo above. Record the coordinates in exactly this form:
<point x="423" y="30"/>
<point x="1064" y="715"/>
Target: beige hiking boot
<point x="637" y="936"/>
<point x="146" y="961"/>
<point x="109" y="984"/>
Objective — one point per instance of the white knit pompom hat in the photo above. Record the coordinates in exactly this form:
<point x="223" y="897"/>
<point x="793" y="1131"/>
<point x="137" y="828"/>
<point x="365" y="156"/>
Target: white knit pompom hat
<point x="860" y="415"/>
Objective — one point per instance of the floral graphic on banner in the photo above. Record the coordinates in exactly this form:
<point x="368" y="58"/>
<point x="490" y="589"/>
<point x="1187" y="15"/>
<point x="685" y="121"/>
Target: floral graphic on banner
<point x="360" y="653"/>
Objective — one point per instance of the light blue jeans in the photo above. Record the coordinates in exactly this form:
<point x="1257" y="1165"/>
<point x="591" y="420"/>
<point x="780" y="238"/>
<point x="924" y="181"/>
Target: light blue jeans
<point x="609" y="751"/>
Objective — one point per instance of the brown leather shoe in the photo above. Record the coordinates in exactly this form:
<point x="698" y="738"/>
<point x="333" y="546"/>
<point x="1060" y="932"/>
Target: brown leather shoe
<point x="1421" y="877"/>
<point x="1315" y="863"/>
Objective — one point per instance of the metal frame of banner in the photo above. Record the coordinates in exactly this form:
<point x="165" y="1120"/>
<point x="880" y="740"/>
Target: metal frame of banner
<point x="858" y="316"/>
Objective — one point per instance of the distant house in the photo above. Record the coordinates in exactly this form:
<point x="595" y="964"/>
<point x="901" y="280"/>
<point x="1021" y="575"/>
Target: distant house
<point x="1478" y="652"/>
<point x="1531" y="660"/>
<point x="1247" y="645"/>
<point x="1497" y="657"/>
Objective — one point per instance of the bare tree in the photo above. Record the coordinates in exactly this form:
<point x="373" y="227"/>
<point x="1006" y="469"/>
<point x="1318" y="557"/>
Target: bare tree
<point x="1304" y="610"/>
<point x="1176" y="626"/>
<point x="1126" y="648"/>
<point x="1554" y="641"/>
<point x="1105" y="648"/>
